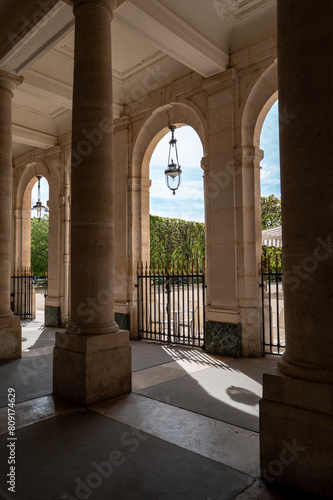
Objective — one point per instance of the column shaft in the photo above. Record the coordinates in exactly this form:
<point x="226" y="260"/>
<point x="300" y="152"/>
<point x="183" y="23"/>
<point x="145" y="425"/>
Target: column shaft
<point x="92" y="255"/>
<point x="248" y="216"/>
<point x="296" y="412"/>
<point x="307" y="185"/>
<point x="10" y="331"/>
<point x="5" y="197"/>
<point x="92" y="360"/>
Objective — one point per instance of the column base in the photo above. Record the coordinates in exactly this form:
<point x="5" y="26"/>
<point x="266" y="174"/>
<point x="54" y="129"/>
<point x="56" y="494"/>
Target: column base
<point x="123" y="320"/>
<point x="224" y="339"/>
<point x="10" y="338"/>
<point x="89" y="369"/>
<point x="53" y="316"/>
<point x="251" y="332"/>
<point x="296" y="425"/>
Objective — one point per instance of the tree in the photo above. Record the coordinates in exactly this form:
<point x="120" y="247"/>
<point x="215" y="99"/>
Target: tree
<point x="272" y="258"/>
<point x="270" y="211"/>
<point x="39" y="245"/>
<point x="176" y="240"/>
<point x="271" y="217"/>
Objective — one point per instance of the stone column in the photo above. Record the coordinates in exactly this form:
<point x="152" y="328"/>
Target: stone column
<point x="248" y="220"/>
<point x="223" y="327"/>
<point x="53" y="301"/>
<point x="138" y="240"/>
<point x="92" y="359"/>
<point x="122" y="282"/>
<point x="296" y="413"/>
<point x="10" y="330"/>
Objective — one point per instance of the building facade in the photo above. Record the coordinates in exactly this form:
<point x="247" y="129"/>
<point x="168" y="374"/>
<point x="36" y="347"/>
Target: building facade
<point x="87" y="90"/>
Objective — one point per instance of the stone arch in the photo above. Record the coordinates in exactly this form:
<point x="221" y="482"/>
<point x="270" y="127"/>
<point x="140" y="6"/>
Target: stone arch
<point x="27" y="181"/>
<point x="261" y="98"/>
<point x="21" y="252"/>
<point x="147" y="137"/>
<point x="156" y="126"/>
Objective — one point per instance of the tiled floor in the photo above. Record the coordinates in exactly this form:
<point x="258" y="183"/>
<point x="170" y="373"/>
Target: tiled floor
<point x="188" y="430"/>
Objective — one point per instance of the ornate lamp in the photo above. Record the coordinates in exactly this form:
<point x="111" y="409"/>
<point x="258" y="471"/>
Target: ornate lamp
<point x="173" y="172"/>
<point x="38" y="206"/>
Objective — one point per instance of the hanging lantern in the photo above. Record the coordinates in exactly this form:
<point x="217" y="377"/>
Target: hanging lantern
<point x="38" y="205"/>
<point x="173" y="172"/>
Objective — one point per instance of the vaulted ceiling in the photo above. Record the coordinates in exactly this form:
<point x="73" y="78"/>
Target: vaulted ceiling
<point x="153" y="42"/>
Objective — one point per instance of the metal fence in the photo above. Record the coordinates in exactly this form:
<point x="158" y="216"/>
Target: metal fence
<point x="273" y="326"/>
<point x="23" y="284"/>
<point x="21" y="294"/>
<point x="171" y="303"/>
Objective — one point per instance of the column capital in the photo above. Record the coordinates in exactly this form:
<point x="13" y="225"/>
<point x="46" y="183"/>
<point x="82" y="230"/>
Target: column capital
<point x="9" y="82"/>
<point x="111" y="5"/>
<point x="138" y="184"/>
<point x="249" y="152"/>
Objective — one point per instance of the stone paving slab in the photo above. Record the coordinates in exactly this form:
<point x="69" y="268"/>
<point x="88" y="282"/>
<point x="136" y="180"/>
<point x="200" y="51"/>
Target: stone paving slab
<point x="87" y="455"/>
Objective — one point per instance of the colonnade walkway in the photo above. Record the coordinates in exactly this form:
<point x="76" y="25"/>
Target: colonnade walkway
<point x="189" y="430"/>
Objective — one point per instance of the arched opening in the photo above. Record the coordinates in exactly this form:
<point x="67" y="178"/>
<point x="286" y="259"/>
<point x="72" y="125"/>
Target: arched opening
<point x="54" y="309"/>
<point x="30" y="255"/>
<point x="272" y="296"/>
<point x="269" y="143"/>
<point x="188" y="202"/>
<point x="40" y="243"/>
<point x="172" y="310"/>
<point x="31" y="247"/>
<point x="154" y="129"/>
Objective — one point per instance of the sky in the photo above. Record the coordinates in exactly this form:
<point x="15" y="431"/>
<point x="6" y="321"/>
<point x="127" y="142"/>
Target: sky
<point x="44" y="194"/>
<point x="188" y="202"/>
<point x="269" y="143"/>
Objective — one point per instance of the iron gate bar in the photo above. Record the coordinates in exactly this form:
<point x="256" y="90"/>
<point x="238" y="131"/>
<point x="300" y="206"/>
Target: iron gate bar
<point x="21" y="294"/>
<point x="277" y="304"/>
<point x="262" y="284"/>
<point x="268" y="277"/>
<point x="170" y="304"/>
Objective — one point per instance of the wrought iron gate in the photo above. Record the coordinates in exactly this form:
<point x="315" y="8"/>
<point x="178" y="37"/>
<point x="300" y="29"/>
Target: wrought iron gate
<point x="21" y="294"/>
<point x="274" y="341"/>
<point x="171" y="304"/>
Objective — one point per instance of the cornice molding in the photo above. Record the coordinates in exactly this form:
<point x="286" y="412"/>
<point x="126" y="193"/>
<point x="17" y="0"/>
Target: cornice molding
<point x="238" y="10"/>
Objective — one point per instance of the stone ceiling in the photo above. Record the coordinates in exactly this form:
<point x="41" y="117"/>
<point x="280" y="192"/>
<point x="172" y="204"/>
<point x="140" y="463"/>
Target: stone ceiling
<point x="163" y="39"/>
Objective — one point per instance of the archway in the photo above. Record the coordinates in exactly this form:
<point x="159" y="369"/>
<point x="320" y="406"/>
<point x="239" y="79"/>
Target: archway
<point x="188" y="202"/>
<point x="22" y="230"/>
<point x="152" y="131"/>
<point x="272" y="292"/>
<point x="172" y="308"/>
<point x="40" y="244"/>
<point x="21" y="254"/>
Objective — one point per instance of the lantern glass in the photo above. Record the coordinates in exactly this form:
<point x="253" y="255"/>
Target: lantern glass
<point x="173" y="172"/>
